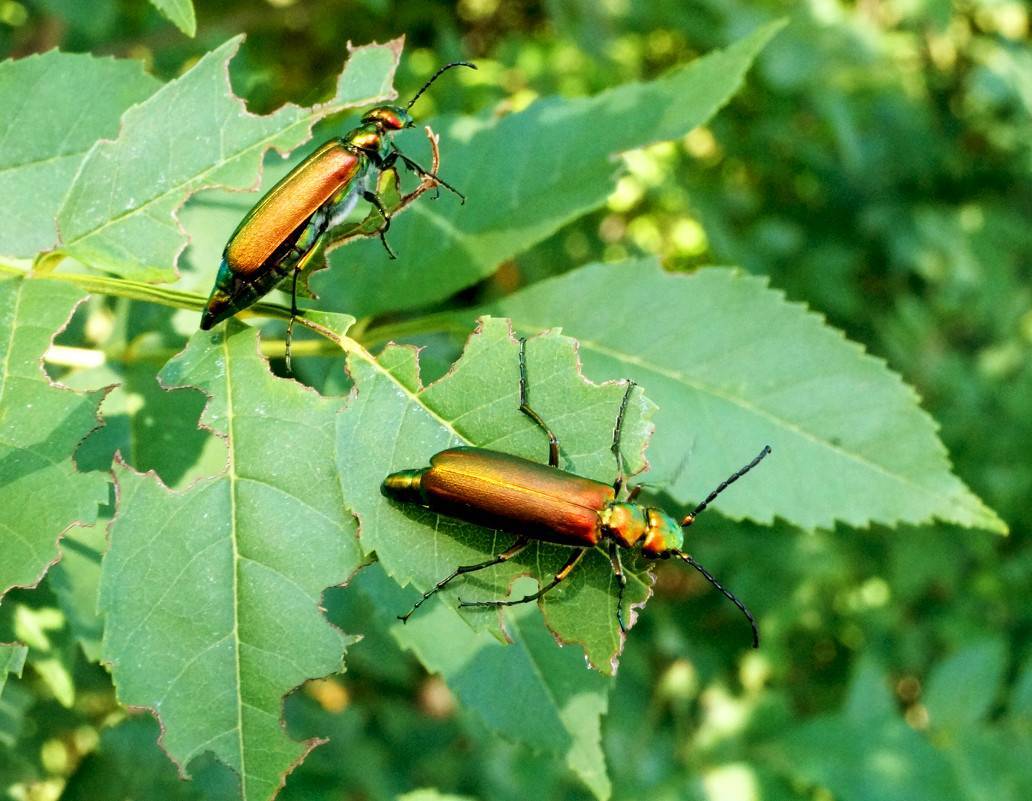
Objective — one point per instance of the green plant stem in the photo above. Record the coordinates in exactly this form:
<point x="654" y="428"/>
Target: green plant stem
<point x="455" y="322"/>
<point x="135" y="290"/>
<point x="447" y="322"/>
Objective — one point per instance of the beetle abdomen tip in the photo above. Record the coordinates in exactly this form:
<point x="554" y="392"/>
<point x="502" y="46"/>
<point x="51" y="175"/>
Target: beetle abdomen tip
<point x="404" y="486"/>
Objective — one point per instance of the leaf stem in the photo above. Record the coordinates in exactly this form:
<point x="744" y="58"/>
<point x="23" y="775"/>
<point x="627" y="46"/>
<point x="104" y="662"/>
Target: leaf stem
<point x="454" y="322"/>
<point x="153" y="293"/>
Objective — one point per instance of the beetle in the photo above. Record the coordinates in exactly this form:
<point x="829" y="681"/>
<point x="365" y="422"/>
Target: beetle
<point x="534" y="501"/>
<point x="280" y="234"/>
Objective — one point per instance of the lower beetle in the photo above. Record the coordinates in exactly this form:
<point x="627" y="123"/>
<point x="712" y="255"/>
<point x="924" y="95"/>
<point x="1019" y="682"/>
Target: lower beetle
<point x="534" y="501"/>
<point x="281" y="233"/>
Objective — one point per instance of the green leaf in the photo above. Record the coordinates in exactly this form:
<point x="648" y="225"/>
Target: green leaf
<point x="192" y="134"/>
<point x="152" y="428"/>
<point x="211" y="595"/>
<point x="963" y="687"/>
<point x="1021" y="699"/>
<point x="12" y="660"/>
<point x="864" y="762"/>
<point x="180" y="13"/>
<point x="733" y="367"/>
<point x="75" y="581"/>
<point x="41" y="423"/>
<point x="526" y="175"/>
<point x="393" y="423"/>
<point x="992" y="762"/>
<point x="560" y="705"/>
<point x="15" y="701"/>
<point x="56" y="105"/>
<point x="869" y="699"/>
<point x="428" y="794"/>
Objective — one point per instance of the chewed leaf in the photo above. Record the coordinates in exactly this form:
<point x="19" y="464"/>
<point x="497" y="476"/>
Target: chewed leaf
<point x="194" y="133"/>
<point x="734" y="366"/>
<point x="128" y="764"/>
<point x="392" y="424"/>
<point x="75" y="99"/>
<point x="212" y="594"/>
<point x="42" y="493"/>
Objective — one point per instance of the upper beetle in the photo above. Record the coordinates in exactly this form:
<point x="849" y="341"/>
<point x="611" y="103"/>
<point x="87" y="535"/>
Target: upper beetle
<point x="281" y="233"/>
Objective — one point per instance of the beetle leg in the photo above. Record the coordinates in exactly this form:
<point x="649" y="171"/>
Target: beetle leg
<point x="391" y="159"/>
<point x="617" y="433"/>
<point x="315" y="235"/>
<point x="371" y="197"/>
<point x="564" y="571"/>
<point x="614" y="558"/>
<point x="424" y="173"/>
<point x="293" y="315"/>
<point x="504" y="556"/>
<point x="553" y="440"/>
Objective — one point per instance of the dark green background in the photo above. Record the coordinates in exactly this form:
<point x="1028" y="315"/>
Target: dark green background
<point x="877" y="166"/>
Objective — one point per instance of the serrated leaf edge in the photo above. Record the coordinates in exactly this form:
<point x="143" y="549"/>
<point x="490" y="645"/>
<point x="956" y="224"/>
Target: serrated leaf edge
<point x="100" y="395"/>
<point x="858" y="350"/>
<point x="316" y="112"/>
<point x="415" y="397"/>
<point x="310" y="743"/>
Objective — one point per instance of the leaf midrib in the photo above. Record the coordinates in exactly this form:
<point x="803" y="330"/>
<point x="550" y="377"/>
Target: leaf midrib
<point x="231" y="473"/>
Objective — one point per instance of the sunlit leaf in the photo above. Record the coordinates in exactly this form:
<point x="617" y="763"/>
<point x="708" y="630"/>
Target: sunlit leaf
<point x="211" y="595"/>
<point x="192" y="134"/>
<point x="180" y="13"/>
<point x="733" y="367"/>
<point x="394" y="423"/>
<point x="525" y="176"/>
<point x="56" y="105"/>
<point x="42" y="493"/>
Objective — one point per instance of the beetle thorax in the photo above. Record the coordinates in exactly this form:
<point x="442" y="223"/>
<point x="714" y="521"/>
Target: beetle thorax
<point x="626" y="523"/>
<point x="631" y="525"/>
<point x="367" y="138"/>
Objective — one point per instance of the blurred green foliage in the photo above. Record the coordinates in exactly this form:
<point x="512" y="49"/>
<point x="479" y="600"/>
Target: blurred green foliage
<point x="878" y="166"/>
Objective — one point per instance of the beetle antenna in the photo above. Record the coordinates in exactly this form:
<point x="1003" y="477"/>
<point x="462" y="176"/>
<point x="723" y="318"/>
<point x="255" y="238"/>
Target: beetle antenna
<point x="730" y="595"/>
<point x="436" y="75"/>
<point x="727" y="482"/>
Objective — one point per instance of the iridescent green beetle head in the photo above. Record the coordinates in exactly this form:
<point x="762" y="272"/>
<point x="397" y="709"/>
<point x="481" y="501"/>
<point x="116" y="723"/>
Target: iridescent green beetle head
<point x="388" y="118"/>
<point x="632" y="524"/>
<point x="662" y="536"/>
<point x="395" y="118"/>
